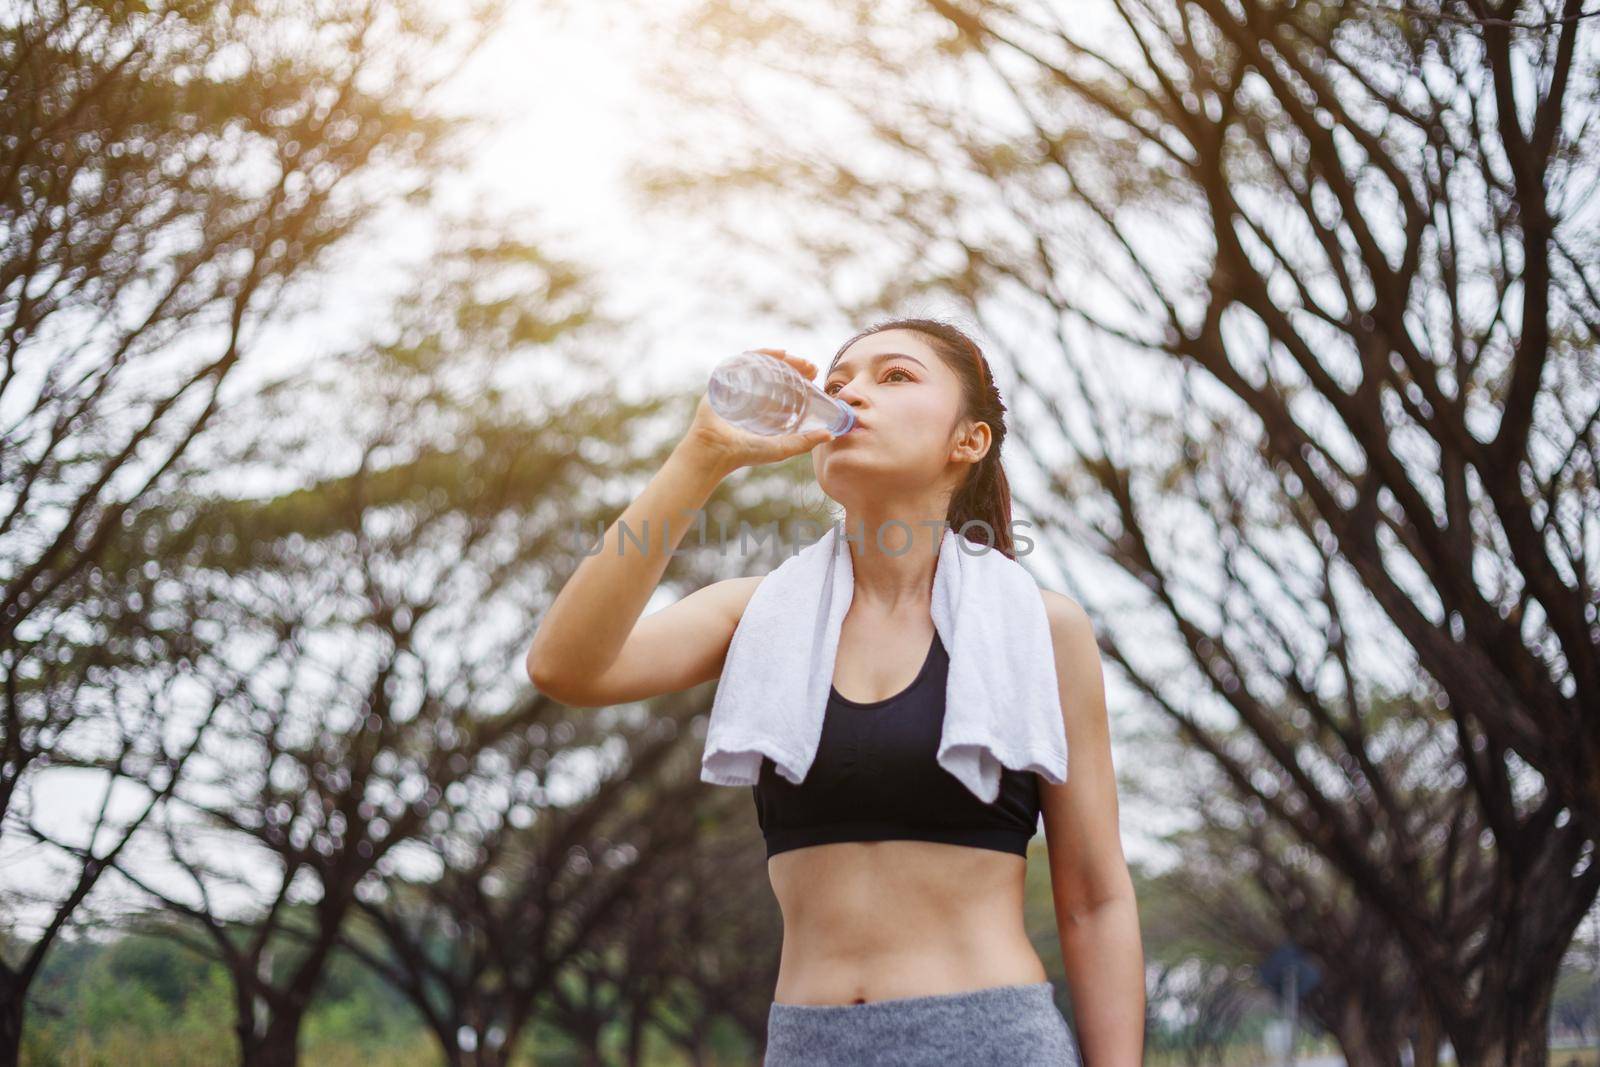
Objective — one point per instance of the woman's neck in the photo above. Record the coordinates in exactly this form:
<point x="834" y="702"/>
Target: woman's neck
<point x="893" y="559"/>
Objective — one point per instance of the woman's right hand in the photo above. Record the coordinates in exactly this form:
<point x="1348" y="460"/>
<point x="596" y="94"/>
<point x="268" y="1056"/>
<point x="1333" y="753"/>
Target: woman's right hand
<point x="718" y="445"/>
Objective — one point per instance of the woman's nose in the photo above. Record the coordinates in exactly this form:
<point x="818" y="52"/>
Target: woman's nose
<point x="847" y="394"/>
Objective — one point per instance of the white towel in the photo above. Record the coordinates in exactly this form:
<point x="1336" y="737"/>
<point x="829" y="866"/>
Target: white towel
<point x="1002" y="701"/>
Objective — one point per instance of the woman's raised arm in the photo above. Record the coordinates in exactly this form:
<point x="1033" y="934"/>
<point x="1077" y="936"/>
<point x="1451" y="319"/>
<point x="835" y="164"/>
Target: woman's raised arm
<point x="591" y="648"/>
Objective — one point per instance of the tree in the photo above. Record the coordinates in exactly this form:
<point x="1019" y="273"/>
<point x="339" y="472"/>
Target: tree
<point x="171" y="174"/>
<point x="622" y="879"/>
<point x="366" y="599"/>
<point x="695" y="958"/>
<point x="517" y="881"/>
<point x="1319" y="281"/>
<point x="1202" y="984"/>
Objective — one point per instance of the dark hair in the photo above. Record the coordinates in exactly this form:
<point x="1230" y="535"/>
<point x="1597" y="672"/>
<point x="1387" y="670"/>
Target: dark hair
<point x="985" y="494"/>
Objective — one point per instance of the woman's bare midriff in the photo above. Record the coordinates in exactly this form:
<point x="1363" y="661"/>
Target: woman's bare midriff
<point x="875" y="920"/>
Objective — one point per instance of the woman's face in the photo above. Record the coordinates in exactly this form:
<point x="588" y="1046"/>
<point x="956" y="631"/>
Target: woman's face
<point x="907" y="404"/>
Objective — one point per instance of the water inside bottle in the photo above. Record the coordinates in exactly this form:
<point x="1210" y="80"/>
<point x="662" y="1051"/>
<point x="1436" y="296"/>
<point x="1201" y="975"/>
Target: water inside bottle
<point x="765" y="395"/>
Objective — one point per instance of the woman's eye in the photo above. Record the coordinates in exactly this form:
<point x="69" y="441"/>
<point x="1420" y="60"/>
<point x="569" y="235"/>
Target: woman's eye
<point x="829" y="389"/>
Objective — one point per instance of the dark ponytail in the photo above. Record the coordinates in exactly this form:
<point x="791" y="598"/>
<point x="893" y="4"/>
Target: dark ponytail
<point x="985" y="495"/>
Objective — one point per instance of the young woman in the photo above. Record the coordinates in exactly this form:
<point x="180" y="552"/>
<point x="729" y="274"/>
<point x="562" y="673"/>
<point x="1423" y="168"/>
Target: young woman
<point x="909" y="948"/>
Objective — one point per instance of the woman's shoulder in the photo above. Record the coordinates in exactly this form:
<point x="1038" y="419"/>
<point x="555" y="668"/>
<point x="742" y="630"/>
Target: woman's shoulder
<point x="1067" y="617"/>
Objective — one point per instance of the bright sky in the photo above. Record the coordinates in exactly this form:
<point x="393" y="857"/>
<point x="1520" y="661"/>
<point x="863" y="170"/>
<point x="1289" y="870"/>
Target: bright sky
<point x="573" y="122"/>
<point x="572" y="113"/>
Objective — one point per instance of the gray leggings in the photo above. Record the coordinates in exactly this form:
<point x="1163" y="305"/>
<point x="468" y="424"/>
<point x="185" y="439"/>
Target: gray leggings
<point x="1000" y="1026"/>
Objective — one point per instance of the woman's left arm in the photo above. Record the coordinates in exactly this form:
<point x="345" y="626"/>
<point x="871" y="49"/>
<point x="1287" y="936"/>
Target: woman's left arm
<point x="1096" y="914"/>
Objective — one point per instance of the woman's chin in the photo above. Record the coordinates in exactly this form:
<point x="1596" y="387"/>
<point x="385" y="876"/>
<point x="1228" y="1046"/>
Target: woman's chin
<point x="847" y="479"/>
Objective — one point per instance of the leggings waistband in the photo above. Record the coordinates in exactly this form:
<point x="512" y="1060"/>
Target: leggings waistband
<point x="1021" y="990"/>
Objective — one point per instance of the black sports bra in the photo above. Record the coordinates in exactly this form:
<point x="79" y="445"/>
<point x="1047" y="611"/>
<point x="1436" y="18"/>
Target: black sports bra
<point x="876" y="777"/>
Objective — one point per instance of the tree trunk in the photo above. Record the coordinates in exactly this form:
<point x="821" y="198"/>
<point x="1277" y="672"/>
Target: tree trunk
<point x="493" y="1057"/>
<point x="278" y="1047"/>
<point x="635" y="1055"/>
<point x="1524" y="1040"/>
<point x="1425" y="1045"/>
<point x="453" y="1056"/>
<point x="1362" y="1040"/>
<point x="445" y="1032"/>
<point x="13" y="1001"/>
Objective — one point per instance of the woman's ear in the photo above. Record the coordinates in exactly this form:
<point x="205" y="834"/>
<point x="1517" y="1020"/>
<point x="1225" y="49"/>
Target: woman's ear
<point x="972" y="442"/>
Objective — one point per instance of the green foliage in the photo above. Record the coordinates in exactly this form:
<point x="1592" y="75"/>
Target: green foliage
<point x="140" y="1000"/>
<point x="357" y="1008"/>
<point x="143" y="1000"/>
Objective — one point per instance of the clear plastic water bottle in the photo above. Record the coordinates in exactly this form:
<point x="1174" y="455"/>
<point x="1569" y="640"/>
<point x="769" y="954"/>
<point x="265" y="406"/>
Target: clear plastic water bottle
<point x="765" y="395"/>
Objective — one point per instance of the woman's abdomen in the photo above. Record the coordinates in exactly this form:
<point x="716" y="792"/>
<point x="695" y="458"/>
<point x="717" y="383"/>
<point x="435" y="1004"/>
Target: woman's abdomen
<point x="875" y="920"/>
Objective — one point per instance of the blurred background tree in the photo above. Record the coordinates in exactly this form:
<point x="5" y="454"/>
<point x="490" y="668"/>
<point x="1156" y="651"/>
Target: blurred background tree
<point x="1297" y="304"/>
<point x="1293" y="305"/>
<point x="172" y="174"/>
